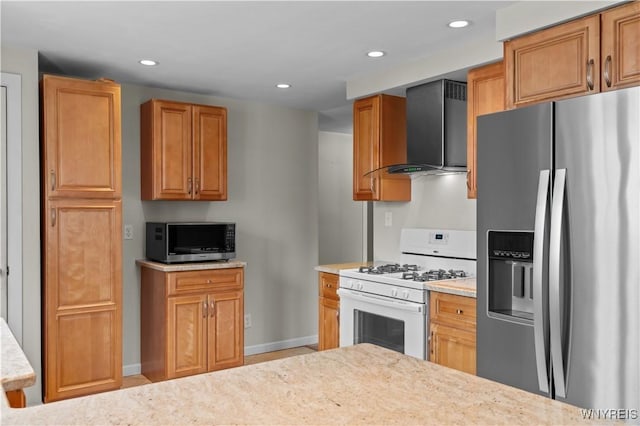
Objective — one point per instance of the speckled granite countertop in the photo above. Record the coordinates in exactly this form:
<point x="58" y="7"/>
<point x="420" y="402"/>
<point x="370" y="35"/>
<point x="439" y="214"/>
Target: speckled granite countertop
<point x="361" y="384"/>
<point x="461" y="287"/>
<point x="196" y="266"/>
<point x="15" y="370"/>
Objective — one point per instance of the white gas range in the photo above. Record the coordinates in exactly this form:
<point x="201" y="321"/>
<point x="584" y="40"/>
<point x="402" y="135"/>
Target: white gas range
<point x="388" y="304"/>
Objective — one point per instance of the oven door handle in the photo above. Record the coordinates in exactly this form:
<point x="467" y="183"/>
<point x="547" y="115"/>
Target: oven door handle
<point x="383" y="301"/>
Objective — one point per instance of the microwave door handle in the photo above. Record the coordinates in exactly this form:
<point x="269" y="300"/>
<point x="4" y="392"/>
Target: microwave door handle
<point x="555" y="310"/>
<point x="540" y="321"/>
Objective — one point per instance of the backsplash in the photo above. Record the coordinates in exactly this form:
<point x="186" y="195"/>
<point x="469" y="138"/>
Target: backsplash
<point x="436" y="202"/>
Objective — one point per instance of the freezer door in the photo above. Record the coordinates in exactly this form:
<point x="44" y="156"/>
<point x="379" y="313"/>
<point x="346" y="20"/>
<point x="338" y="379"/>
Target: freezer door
<point x="513" y="148"/>
<point x="598" y="143"/>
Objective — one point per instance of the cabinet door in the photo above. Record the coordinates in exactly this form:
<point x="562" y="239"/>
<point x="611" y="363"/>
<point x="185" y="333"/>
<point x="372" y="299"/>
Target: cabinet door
<point x="328" y="324"/>
<point x="329" y="285"/>
<point x="82" y="287"/>
<point x="226" y="332"/>
<point x="81" y="138"/>
<point x="559" y="62"/>
<point x="209" y="153"/>
<point x="485" y="95"/>
<point x="620" y="43"/>
<point x="453" y="348"/>
<point x="166" y="155"/>
<point x="186" y="335"/>
<point x="456" y="311"/>
<point x="366" y="138"/>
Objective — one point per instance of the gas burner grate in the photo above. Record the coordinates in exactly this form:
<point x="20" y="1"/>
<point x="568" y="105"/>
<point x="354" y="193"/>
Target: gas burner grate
<point x="434" y="275"/>
<point x="390" y="268"/>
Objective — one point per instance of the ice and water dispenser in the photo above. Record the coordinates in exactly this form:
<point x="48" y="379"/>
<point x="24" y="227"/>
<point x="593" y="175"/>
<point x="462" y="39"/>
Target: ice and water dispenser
<point x="510" y="280"/>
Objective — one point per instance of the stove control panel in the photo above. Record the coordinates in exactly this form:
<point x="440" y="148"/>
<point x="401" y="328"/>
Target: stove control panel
<point x="439" y="238"/>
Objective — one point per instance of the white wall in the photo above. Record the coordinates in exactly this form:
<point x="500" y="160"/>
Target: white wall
<point x="272" y="187"/>
<point x="25" y="63"/>
<point x="342" y="221"/>
<point x="436" y="202"/>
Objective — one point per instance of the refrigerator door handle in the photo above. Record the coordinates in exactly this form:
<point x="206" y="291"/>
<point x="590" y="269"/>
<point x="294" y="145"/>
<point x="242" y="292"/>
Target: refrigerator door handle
<point x="539" y="318"/>
<point x="555" y="236"/>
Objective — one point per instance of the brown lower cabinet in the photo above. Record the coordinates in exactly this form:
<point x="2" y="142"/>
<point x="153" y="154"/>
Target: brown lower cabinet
<point x="452" y="331"/>
<point x="191" y="322"/>
<point x="328" y="312"/>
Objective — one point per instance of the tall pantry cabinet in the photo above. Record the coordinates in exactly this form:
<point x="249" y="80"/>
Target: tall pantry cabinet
<point x="81" y="227"/>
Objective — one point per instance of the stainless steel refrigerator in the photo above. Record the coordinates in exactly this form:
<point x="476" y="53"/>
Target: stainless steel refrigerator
<point x="558" y="223"/>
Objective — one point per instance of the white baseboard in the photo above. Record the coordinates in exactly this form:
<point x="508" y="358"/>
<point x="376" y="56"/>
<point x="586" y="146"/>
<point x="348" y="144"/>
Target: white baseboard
<point x="279" y="345"/>
<point x="133" y="369"/>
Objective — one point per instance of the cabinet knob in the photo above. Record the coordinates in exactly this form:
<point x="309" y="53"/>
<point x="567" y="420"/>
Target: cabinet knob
<point x="204" y="309"/>
<point x="189" y="185"/>
<point x="459" y="311"/>
<point x="212" y="309"/>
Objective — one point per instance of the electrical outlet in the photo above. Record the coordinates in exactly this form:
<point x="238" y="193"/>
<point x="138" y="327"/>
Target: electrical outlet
<point x="388" y="219"/>
<point x="247" y="321"/>
<point x="128" y="232"/>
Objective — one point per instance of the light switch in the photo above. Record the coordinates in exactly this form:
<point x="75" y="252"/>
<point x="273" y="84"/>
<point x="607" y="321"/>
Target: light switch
<point x="388" y="219"/>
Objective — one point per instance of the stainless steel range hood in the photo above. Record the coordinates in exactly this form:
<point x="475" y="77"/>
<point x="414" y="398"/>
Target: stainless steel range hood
<point x="436" y="129"/>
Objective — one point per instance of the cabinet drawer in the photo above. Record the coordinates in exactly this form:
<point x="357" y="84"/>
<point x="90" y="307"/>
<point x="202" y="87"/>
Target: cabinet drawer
<point x="456" y="311"/>
<point x="329" y="285"/>
<point x="198" y="281"/>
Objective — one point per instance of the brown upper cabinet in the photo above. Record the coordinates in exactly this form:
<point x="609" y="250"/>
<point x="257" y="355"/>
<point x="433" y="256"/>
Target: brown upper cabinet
<point x="379" y="139"/>
<point x="588" y="55"/>
<point x="620" y="47"/>
<point x="555" y="63"/>
<point x="183" y="153"/>
<point x="485" y="95"/>
<point x="81" y="138"/>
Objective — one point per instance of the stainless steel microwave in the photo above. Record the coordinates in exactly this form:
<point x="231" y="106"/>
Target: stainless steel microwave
<point x="175" y="242"/>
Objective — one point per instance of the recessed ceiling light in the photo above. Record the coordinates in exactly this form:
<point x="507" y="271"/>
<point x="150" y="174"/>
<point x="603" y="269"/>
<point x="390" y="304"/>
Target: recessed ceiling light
<point x="148" y="62"/>
<point x="283" y="85"/>
<point x="458" y="24"/>
<point x="375" y="54"/>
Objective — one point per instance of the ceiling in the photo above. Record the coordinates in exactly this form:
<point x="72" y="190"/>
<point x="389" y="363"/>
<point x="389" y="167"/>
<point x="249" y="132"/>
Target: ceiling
<point x="241" y="49"/>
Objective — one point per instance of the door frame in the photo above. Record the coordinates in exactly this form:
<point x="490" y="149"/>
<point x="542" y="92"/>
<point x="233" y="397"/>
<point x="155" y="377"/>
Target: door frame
<point x="13" y="84"/>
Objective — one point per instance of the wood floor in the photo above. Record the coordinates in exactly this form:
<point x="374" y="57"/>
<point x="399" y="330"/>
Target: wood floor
<point x="139" y="379"/>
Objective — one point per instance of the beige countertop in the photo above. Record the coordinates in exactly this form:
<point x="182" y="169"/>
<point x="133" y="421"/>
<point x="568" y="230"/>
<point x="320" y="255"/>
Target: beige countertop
<point x="361" y="384"/>
<point x="195" y="266"/>
<point x="15" y="370"/>
<point x="336" y="267"/>
<point x="461" y="287"/>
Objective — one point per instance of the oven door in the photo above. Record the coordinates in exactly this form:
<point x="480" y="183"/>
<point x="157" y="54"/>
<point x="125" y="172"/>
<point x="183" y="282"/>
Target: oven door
<point x="394" y="324"/>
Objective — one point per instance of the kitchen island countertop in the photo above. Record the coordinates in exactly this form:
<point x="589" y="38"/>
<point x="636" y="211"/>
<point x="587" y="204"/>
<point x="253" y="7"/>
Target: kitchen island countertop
<point x="194" y="266"/>
<point x="15" y="370"/>
<point x="362" y="384"/>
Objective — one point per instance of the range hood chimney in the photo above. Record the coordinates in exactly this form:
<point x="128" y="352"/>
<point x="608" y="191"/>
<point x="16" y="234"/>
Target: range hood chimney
<point x="436" y="129"/>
